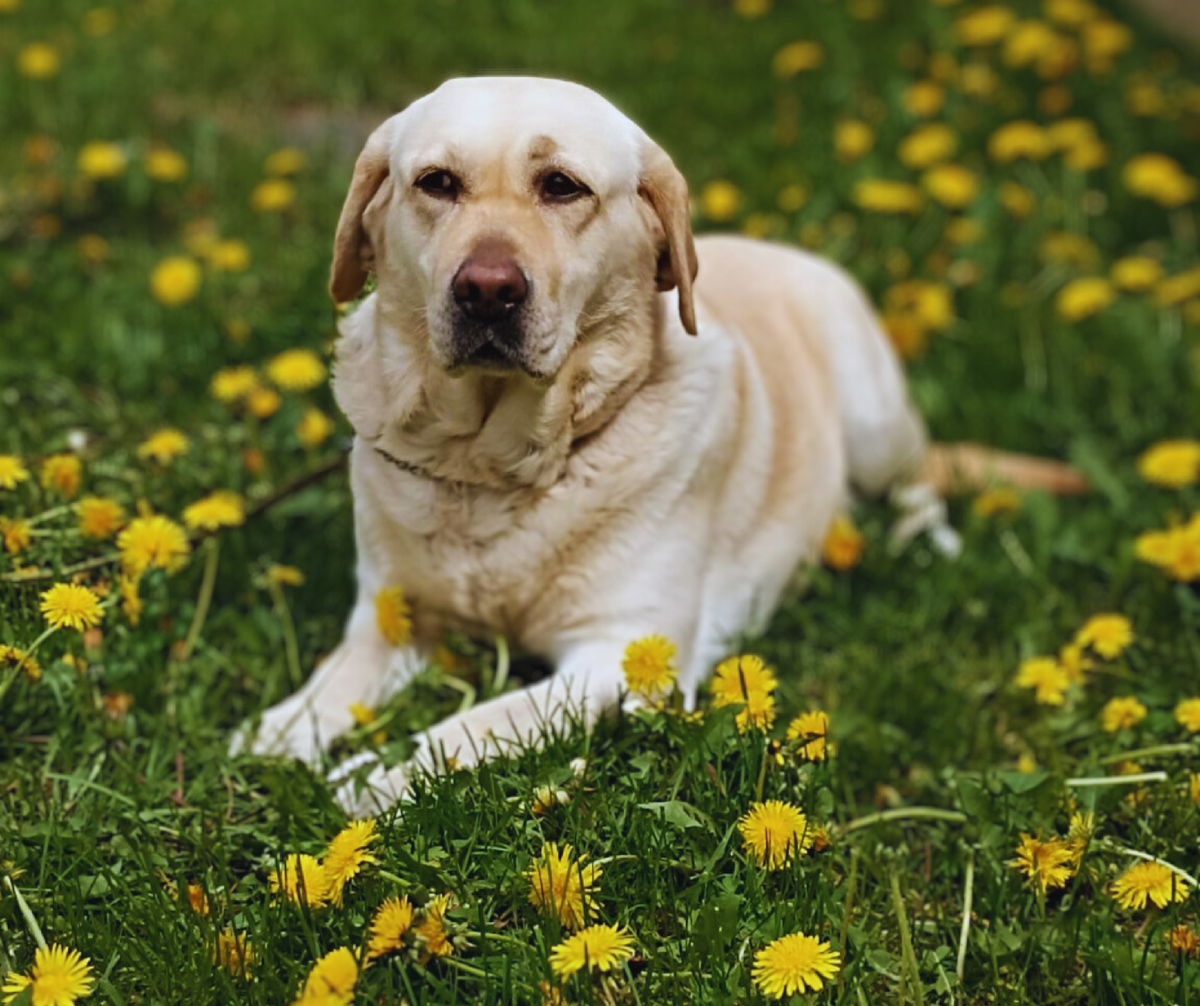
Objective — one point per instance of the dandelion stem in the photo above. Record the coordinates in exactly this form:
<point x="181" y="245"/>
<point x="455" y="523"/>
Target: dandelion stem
<point x="46" y="634"/>
<point x="288" y="626"/>
<point x="905" y="814"/>
<point x="213" y="549"/>
<point x="965" y="932"/>
<point x="502" y="665"/>
<point x="1118" y="780"/>
<point x="906" y="947"/>
<point x="27" y="913"/>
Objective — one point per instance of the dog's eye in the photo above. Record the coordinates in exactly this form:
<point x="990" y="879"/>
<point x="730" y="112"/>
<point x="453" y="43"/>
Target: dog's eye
<point x="439" y="183"/>
<point x="561" y="188"/>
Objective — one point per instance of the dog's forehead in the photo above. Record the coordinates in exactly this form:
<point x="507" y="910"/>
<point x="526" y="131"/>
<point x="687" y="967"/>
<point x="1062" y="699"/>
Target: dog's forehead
<point x="481" y="119"/>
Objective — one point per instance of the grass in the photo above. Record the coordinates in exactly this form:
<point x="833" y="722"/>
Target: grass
<point x="116" y="791"/>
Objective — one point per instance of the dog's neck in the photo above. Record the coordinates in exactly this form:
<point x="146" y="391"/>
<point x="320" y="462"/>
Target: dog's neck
<point x="483" y="430"/>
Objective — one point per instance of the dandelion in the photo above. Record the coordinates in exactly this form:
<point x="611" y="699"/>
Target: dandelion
<point x="314" y="428"/>
<point x="286" y="576"/>
<point x="1079" y="835"/>
<point x="927" y="145"/>
<point x="99" y="516"/>
<point x="984" y="26"/>
<point x="1178" y="288"/>
<point x="1146" y="882"/>
<point x="272" y="196"/>
<point x="1075" y="663"/>
<point x="163" y="164"/>
<point x="1187" y="715"/>
<point x="599" y="947"/>
<point x="924" y="98"/>
<point x="1018" y="140"/>
<point x="1160" y="178"/>
<point x="1047" y="864"/>
<point x="880" y="195"/>
<point x="843" y="545"/>
<point x="812" y="729"/>
<point x="1176" y="551"/>
<point x="336" y="972"/>
<point x="302" y="880"/>
<point x="774" y="833"/>
<point x="393" y="616"/>
<point x="746" y="681"/>
<point x="347" y="854"/>
<point x="296" y="370"/>
<point x="560" y="884"/>
<point x="1136" y="273"/>
<point x="1047" y="677"/>
<point x="230" y="256"/>
<point x="1016" y="199"/>
<point x="794" y="964"/>
<point x="1182" y="940"/>
<point x="17" y="534"/>
<point x="951" y="185"/>
<point x="163" y="446"/>
<point x="38" y="61"/>
<point x="1121" y="713"/>
<point x="1108" y="635"/>
<point x="196" y="898"/>
<point x="219" y="509"/>
<point x="284" y="161"/>
<point x="999" y="499"/>
<point x="12" y="657"/>
<point x="153" y="542"/>
<point x="234" y="952"/>
<point x="99" y="160"/>
<point x="720" y="201"/>
<point x="62" y="473"/>
<point x="797" y="57"/>
<point x="233" y="383"/>
<point x="12" y="471"/>
<point x="851" y="139"/>
<point x="263" y="403"/>
<point x="1081" y="298"/>
<point x="390" y="922"/>
<point x="175" y="280"/>
<point x="71" y="606"/>
<point x="649" y="666"/>
<point x="58" y="977"/>
<point x="131" y="601"/>
<point x="430" y="930"/>
<point x="1172" y="464"/>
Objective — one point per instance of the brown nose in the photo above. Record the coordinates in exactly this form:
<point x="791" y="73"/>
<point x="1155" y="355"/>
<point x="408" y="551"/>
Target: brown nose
<point x="489" y="284"/>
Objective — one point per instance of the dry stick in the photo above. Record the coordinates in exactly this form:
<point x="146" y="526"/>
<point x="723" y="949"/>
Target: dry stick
<point x="1117" y="780"/>
<point x="298" y="484"/>
<point x="1161" y="862"/>
<point x="964" y="934"/>
<point x="906" y="814"/>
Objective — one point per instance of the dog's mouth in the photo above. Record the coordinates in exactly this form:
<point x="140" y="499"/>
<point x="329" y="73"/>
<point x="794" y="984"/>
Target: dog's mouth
<point x="495" y="347"/>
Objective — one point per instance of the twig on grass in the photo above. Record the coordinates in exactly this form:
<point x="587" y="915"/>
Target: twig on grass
<point x="965" y="932"/>
<point x="905" y="814"/>
<point x="1117" y="780"/>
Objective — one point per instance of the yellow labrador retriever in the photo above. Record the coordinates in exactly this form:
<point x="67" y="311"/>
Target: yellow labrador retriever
<point x="575" y="426"/>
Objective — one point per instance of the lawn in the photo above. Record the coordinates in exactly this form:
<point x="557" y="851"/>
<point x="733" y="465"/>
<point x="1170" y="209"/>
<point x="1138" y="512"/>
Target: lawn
<point x="997" y="759"/>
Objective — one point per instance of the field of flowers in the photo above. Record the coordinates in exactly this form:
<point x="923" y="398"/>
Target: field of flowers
<point x="929" y="782"/>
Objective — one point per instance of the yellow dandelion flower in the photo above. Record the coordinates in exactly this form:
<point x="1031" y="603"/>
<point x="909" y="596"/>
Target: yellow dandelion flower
<point x="1079" y="835"/>
<point x="302" y="880"/>
<point x="314" y="428"/>
<point x="1018" y="140"/>
<point x="233" y="383"/>
<point x="347" y="854"/>
<point x="430" y="930"/>
<point x="58" y="977"/>
<point x="1108" y="635"/>
<point x="163" y="446"/>
<point x="774" y="833"/>
<point x="881" y="195"/>
<point x="1136" y="273"/>
<point x="131" y="600"/>
<point x="927" y="145"/>
<point x="219" y="509"/>
<point x="1160" y="178"/>
<point x="392" y="615"/>
<point x="1075" y="663"/>
<point x="296" y="370"/>
<point x="1047" y="677"/>
<point x="746" y="681"/>
<point x="12" y="471"/>
<point x="720" y="201"/>
<point x="842" y="548"/>
<point x="62" y="473"/>
<point x="234" y="952"/>
<point x="649" y="666"/>
<point x="952" y="185"/>
<point x="1121" y="713"/>
<point x="1149" y="882"/>
<point x="984" y="26"/>
<point x="272" y="195"/>
<point x="1187" y="715"/>
<point x="163" y="164"/>
<point x="100" y="159"/>
<point x="1000" y="499"/>
<point x="71" y="606"/>
<point x="286" y="576"/>
<point x="336" y="973"/>
<point x="1176" y="551"/>
<point x="196" y="898"/>
<point x="263" y="403"/>
<point x="17" y="533"/>
<point x="12" y="657"/>
<point x="1047" y="864"/>
<point x="812" y="729"/>
<point x="229" y="255"/>
<point x="1182" y="940"/>
<point x="851" y="139"/>
<point x="1081" y="298"/>
<point x="99" y="516"/>
<point x="1171" y="463"/>
<point x="38" y="61"/>
<point x="560" y="884"/>
<point x="285" y="161"/>
<point x="924" y="98"/>
<point x="794" y="964"/>
<point x="1016" y="199"/>
<point x="388" y="925"/>
<point x="154" y="542"/>
<point x="175" y="280"/>
<point x="599" y="948"/>
<point x="1028" y="42"/>
<point x="796" y="57"/>
<point x="1176" y="289"/>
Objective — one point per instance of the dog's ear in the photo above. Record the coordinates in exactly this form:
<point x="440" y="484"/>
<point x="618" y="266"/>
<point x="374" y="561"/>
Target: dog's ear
<point x="353" y="255"/>
<point x="664" y="187"/>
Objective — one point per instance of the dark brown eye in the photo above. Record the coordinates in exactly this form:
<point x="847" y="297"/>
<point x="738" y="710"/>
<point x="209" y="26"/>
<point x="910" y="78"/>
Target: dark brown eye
<point x="439" y="183"/>
<point x="561" y="188"/>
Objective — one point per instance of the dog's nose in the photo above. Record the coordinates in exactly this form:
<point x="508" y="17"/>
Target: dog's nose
<point x="489" y="284"/>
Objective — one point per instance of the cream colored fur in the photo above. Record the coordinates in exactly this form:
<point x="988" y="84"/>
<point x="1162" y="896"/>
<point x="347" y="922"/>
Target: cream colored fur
<point x="636" y="479"/>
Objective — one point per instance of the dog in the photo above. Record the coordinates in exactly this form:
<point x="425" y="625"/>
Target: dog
<point x="575" y="425"/>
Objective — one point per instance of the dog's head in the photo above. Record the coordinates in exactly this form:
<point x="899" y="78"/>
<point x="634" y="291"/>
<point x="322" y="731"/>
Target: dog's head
<point x="509" y="214"/>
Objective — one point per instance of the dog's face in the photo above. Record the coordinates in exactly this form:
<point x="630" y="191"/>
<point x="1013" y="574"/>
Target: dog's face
<point x="509" y="214"/>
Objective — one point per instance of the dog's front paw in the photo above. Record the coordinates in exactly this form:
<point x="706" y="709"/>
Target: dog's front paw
<point x="364" y="788"/>
<point x="291" y="729"/>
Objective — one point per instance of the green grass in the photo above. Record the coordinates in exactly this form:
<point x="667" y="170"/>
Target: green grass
<point x="106" y="818"/>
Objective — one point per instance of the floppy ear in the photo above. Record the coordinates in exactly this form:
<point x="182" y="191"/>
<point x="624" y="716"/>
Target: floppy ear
<point x="353" y="256"/>
<point x="664" y="187"/>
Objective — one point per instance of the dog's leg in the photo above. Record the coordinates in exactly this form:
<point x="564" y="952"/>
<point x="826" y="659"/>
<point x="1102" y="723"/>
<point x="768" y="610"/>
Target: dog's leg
<point x="363" y="669"/>
<point x="587" y="682"/>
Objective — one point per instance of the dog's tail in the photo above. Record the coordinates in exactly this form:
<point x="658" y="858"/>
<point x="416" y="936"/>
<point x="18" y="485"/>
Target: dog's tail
<point x="954" y="469"/>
